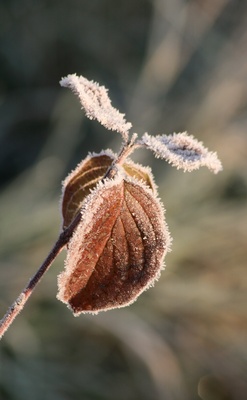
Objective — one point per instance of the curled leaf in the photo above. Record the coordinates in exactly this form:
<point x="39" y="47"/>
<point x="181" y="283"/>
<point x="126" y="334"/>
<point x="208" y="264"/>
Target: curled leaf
<point x="118" y="248"/>
<point x="142" y="174"/>
<point x="96" y="103"/>
<point x="182" y="151"/>
<point x="80" y="182"/>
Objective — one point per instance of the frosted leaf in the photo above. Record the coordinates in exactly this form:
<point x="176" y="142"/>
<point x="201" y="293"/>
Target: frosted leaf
<point x="80" y="182"/>
<point x="182" y="151"/>
<point x="96" y="103"/>
<point x="141" y="173"/>
<point x="118" y="248"/>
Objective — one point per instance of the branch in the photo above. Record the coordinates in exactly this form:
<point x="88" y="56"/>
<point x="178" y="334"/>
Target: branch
<point x="21" y="300"/>
<point x="63" y="239"/>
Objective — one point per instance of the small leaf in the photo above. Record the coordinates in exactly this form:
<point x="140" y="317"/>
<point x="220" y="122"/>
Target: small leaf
<point x="96" y="103"/>
<point x="118" y="248"/>
<point x="81" y="181"/>
<point x="87" y="174"/>
<point x="182" y="151"/>
<point x="143" y="174"/>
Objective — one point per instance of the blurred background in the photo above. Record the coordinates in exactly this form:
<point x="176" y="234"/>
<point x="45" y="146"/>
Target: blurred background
<point x="170" y="65"/>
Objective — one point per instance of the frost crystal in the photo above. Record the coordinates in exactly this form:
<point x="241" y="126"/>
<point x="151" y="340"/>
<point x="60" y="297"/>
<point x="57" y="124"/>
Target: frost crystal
<point x="96" y="103"/>
<point x="182" y="151"/>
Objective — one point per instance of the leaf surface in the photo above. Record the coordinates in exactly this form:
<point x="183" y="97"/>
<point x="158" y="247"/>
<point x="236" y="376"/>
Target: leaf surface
<point x="117" y="250"/>
<point x="96" y="103"/>
<point x="85" y="177"/>
<point x="182" y="151"/>
<point x="80" y="182"/>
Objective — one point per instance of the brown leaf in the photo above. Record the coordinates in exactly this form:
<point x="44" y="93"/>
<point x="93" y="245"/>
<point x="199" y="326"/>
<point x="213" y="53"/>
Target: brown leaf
<point x="85" y="177"/>
<point x="118" y="248"/>
<point x="141" y="173"/>
<point x="81" y="181"/>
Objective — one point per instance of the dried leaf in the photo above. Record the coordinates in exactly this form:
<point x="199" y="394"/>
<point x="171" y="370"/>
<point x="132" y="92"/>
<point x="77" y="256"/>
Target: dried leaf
<point x="81" y="181"/>
<point x="182" y="151"/>
<point x="142" y="174"/>
<point x="96" y="103"/>
<point x="118" y="248"/>
<point x="87" y="174"/>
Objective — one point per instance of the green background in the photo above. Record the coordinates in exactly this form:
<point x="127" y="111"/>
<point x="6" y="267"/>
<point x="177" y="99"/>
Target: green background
<point x="170" y="65"/>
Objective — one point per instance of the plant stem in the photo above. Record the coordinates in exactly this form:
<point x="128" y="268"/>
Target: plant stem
<point x="125" y="151"/>
<point x="21" y="300"/>
<point x="63" y="239"/>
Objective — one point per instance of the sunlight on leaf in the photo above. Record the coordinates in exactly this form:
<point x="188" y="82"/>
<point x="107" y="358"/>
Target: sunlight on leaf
<point x="182" y="151"/>
<point x="97" y="104"/>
